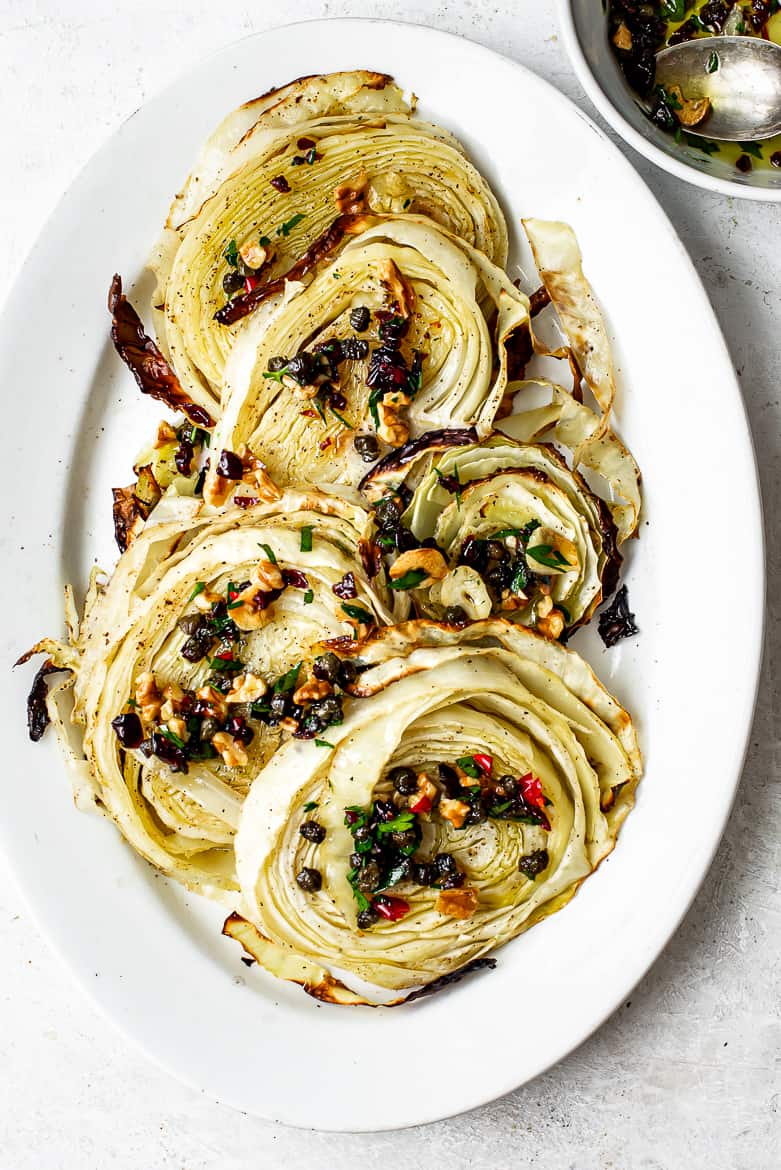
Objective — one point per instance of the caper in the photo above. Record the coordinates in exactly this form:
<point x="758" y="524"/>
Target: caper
<point x="312" y="831"/>
<point x="404" y="781"/>
<point x="310" y="880"/>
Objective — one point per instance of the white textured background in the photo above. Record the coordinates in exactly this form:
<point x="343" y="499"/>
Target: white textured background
<point x="686" y="1074"/>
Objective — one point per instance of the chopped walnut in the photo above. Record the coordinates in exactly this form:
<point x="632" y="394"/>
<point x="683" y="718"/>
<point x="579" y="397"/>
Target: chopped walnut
<point x="217" y="707"/>
<point x="544" y="605"/>
<point x="253" y="255"/>
<point x="173" y="695"/>
<point x="400" y="289"/>
<point x="427" y="560"/>
<point x="178" y="726"/>
<point x="690" y="111"/>
<point x="165" y="435"/>
<point x="350" y="198"/>
<point x="460" y="903"/>
<point x="216" y="489"/>
<point x="232" y="750"/>
<point x="288" y="724"/>
<point x="256" y="474"/>
<point x="246" y="688"/>
<point x="392" y="430"/>
<point x="455" y="811"/>
<point x="266" y="577"/>
<point x="148" y="698"/>
<point x="311" y="691"/>
<point x="512" y="601"/>
<point x="622" y="38"/>
<point x="426" y="786"/>
<point x="552" y="625"/>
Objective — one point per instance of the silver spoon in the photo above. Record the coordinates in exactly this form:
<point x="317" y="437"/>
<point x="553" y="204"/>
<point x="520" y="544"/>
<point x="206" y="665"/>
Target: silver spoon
<point x="740" y="75"/>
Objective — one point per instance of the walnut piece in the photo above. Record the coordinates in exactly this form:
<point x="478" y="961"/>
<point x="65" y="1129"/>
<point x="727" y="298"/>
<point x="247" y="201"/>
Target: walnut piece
<point x="350" y="198"/>
<point x="622" y="38"/>
<point x="217" y="708"/>
<point x="392" y="430"/>
<point x="246" y="688"/>
<point x="232" y="750"/>
<point x="458" y="903"/>
<point x="690" y="111"/>
<point x="455" y="811"/>
<point x="552" y="625"/>
<point x="427" y="560"/>
<point x="148" y="697"/>
<point x="311" y="691"/>
<point x="399" y="288"/>
<point x="165" y="435"/>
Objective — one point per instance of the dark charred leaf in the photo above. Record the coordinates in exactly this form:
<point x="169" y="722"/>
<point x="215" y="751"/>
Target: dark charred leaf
<point x="616" y="622"/>
<point x="37" y="714"/>
<point x="147" y="364"/>
<point x="448" y="980"/>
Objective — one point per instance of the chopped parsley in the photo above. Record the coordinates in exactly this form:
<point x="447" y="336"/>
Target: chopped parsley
<point x="358" y="613"/>
<point x="310" y="804"/>
<point x="199" y="588"/>
<point x="469" y="765"/>
<point x="231" y="254"/>
<point x="309" y="597"/>
<point x="306" y="538"/>
<point x="712" y="63"/>
<point x="325" y="743"/>
<point x="546" y="554"/>
<point x="288" y="681"/>
<point x="286" y="228"/>
<point x="409" y="580"/>
<point x="268" y="550"/>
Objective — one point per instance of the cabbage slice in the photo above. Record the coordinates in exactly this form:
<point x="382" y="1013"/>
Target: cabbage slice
<point x="432" y="693"/>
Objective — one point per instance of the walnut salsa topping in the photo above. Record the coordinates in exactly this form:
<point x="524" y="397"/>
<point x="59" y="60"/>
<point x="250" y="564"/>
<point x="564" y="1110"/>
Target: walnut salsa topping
<point x="393" y="378"/>
<point x="387" y="835"/>
<point x="216" y="718"/>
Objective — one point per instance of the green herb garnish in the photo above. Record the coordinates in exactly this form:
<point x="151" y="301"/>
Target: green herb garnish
<point x="399" y="824"/>
<point x="231" y="254"/>
<point x="309" y="597"/>
<point x="342" y="420"/>
<point x="288" y="681"/>
<point x="306" y="538"/>
<point x="225" y="665"/>
<point x="268" y="550"/>
<point x="674" y="9"/>
<point x="546" y="554"/>
<point x="199" y="588"/>
<point x="286" y="228"/>
<point x="409" y="580"/>
<point x="172" y="736"/>
<point x="712" y="63"/>
<point x="325" y="743"/>
<point x="752" y="148"/>
<point x="358" y="613"/>
<point x="311" y="156"/>
<point x="469" y="765"/>
<point x="310" y="804"/>
<point x="264" y="241"/>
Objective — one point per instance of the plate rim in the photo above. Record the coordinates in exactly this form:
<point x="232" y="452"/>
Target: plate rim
<point x="754" y="652"/>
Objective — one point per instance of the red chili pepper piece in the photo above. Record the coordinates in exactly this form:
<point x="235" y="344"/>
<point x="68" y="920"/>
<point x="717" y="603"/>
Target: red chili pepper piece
<point x="422" y="805"/>
<point x="350" y="818"/>
<point x="249" y="283"/>
<point x="484" y="761"/>
<point x="532" y="790"/>
<point x="391" y="908"/>
<point x="226" y="655"/>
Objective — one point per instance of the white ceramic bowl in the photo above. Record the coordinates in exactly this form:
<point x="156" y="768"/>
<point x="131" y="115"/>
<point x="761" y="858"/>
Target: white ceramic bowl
<point x="583" y="26"/>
